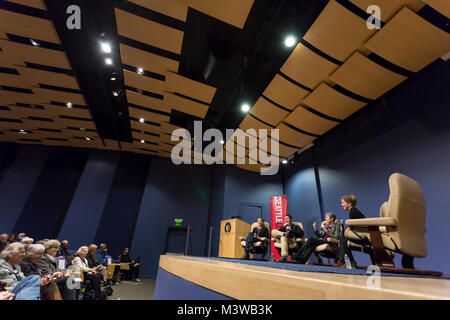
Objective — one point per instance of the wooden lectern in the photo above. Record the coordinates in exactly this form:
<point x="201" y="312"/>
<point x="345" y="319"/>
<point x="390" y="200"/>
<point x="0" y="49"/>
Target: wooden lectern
<point x="230" y="231"/>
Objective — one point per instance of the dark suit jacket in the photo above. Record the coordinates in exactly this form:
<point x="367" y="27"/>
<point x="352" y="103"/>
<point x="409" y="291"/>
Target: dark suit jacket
<point x="263" y="232"/>
<point x="295" y="230"/>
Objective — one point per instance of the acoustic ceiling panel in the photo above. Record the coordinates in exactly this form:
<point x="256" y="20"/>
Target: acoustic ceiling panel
<point x="8" y="60"/>
<point x="285" y="93"/>
<point x="144" y="136"/>
<point x="185" y="105"/>
<point x="148" y="32"/>
<point x="46" y="95"/>
<point x="234" y="12"/>
<point x="38" y="55"/>
<point x="293" y="137"/>
<point x="36" y="124"/>
<point x="251" y="167"/>
<point x="365" y="77"/>
<point x="146" y="60"/>
<point x="78" y="133"/>
<point x="147" y="115"/>
<point x="309" y="122"/>
<point x="283" y="151"/>
<point x="36" y="76"/>
<point x="172" y="8"/>
<point x="55" y="111"/>
<point x="14" y="80"/>
<point x="64" y="122"/>
<point x="13" y="97"/>
<point x="268" y="112"/>
<point x="146" y="101"/>
<point x="389" y="7"/>
<point x="32" y="112"/>
<point x="6" y="125"/>
<point x="442" y="6"/>
<point x="307" y="67"/>
<point x="251" y="123"/>
<point x="338" y="32"/>
<point x="146" y="127"/>
<point x="135" y="80"/>
<point x="185" y="86"/>
<point x="27" y="26"/>
<point x="10" y="114"/>
<point x="38" y="4"/>
<point x="410" y="41"/>
<point x="332" y="103"/>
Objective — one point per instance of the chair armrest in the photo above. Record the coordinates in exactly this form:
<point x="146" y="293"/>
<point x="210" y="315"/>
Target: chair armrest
<point x="332" y="240"/>
<point x="372" y="222"/>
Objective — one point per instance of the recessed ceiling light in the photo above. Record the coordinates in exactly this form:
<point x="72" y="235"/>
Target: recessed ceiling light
<point x="22" y="131"/>
<point x="106" y="47"/>
<point x="290" y="41"/>
<point x="108" y="61"/>
<point x="88" y="138"/>
<point x="69" y="104"/>
<point x="245" y="107"/>
<point x="113" y="77"/>
<point x="284" y="161"/>
<point x="35" y="43"/>
<point x="222" y="142"/>
<point x="140" y="71"/>
<point x="142" y="141"/>
<point x="82" y="129"/>
<point x="142" y="120"/>
<point x="115" y="93"/>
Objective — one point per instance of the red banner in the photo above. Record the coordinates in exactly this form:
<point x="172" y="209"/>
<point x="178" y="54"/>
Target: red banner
<point x="278" y="207"/>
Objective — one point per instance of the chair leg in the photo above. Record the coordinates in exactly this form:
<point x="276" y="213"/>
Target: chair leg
<point x="407" y="262"/>
<point x="381" y="258"/>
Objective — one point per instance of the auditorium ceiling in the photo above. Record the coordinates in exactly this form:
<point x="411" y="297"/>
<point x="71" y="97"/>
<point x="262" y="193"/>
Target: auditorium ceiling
<point x="136" y="70"/>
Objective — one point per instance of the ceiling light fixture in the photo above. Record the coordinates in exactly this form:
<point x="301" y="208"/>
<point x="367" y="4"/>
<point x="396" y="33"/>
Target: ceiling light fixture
<point x="115" y="93"/>
<point x="88" y="138"/>
<point x="222" y="142"/>
<point x="35" y="43"/>
<point x="114" y="77"/>
<point x="142" y="141"/>
<point x="106" y="47"/>
<point x="284" y="161"/>
<point x="108" y="61"/>
<point x="82" y="129"/>
<point x="245" y="107"/>
<point x="22" y="131"/>
<point x="142" y="120"/>
<point x="290" y="41"/>
<point x="140" y="71"/>
<point x="69" y="104"/>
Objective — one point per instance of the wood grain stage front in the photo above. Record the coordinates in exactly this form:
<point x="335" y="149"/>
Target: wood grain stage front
<point x="181" y="277"/>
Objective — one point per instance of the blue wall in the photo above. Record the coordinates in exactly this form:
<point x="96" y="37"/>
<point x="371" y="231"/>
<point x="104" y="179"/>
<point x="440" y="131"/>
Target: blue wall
<point x="171" y="192"/>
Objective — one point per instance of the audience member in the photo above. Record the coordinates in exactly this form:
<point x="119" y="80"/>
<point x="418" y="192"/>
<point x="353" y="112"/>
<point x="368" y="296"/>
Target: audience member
<point x="102" y="252"/>
<point x="3" y="241"/>
<point x="81" y="263"/>
<point x="49" y="266"/>
<point x="133" y="273"/>
<point x="94" y="261"/>
<point x="11" y="237"/>
<point x="64" y="252"/>
<point x="26" y="242"/>
<point x="287" y="234"/>
<point x="20" y="236"/>
<point x="330" y="228"/>
<point x="259" y="233"/>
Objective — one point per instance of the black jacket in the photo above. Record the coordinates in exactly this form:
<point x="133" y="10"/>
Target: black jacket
<point x="295" y="230"/>
<point x="93" y="260"/>
<point x="355" y="214"/>
<point x="29" y="269"/>
<point x="263" y="232"/>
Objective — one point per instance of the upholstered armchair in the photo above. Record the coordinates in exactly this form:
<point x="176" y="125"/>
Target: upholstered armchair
<point x="258" y="246"/>
<point x="293" y="245"/>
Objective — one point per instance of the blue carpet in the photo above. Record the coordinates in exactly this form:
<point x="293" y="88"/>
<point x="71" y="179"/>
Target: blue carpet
<point x="314" y="268"/>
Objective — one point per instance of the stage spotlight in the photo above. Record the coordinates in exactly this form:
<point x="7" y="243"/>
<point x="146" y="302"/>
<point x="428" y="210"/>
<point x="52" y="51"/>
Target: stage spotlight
<point x="108" y="61"/>
<point x="142" y="141"/>
<point x="88" y="139"/>
<point x="140" y="71"/>
<point x="245" y="107"/>
<point x="114" y="76"/>
<point x="290" y="41"/>
<point x="69" y="104"/>
<point x="222" y="142"/>
<point x="284" y="161"/>
<point x="115" y="93"/>
<point x="142" y="120"/>
<point x="106" y="47"/>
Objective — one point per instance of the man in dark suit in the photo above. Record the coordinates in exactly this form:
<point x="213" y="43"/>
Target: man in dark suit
<point x="287" y="233"/>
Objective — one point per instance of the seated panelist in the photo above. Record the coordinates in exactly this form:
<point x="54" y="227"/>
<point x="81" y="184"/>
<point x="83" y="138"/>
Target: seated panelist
<point x="259" y="233"/>
<point x="287" y="233"/>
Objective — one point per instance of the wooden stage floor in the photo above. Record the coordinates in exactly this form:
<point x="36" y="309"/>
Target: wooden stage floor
<point x="250" y="282"/>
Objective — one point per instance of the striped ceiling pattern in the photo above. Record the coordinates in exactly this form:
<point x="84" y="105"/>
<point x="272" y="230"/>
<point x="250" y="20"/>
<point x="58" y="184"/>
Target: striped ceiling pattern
<point x="37" y="85"/>
<point x="340" y="65"/>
